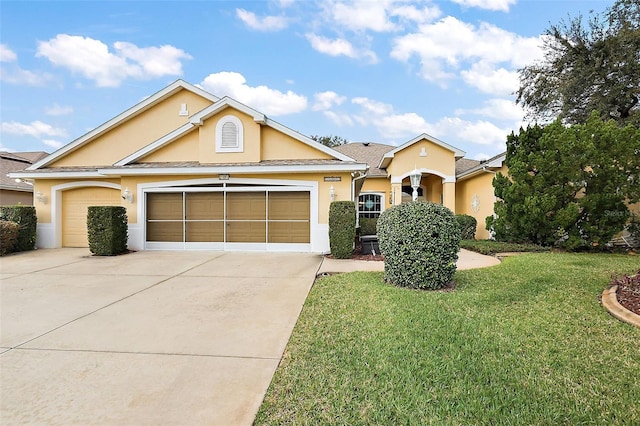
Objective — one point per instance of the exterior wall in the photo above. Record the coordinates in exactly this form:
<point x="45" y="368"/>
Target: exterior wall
<point x="438" y="159"/>
<point x="278" y="146"/>
<point x="251" y="136"/>
<point x="135" y="133"/>
<point x="184" y="149"/>
<point x="479" y="186"/>
<point x="11" y="198"/>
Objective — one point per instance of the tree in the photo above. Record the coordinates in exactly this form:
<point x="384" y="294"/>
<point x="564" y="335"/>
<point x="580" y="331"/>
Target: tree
<point x="568" y="185"/>
<point x="587" y="67"/>
<point x="330" y="141"/>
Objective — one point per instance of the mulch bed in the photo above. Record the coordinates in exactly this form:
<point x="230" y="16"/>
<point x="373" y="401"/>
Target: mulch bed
<point x="357" y="255"/>
<point x="628" y="293"/>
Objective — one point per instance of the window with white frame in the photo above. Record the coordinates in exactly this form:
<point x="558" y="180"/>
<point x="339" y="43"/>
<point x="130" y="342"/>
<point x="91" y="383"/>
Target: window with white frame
<point x="370" y="205"/>
<point x="229" y="134"/>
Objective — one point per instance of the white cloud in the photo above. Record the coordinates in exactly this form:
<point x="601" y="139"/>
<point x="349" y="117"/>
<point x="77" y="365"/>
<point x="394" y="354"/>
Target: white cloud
<point x="486" y="78"/>
<point x="57" y="110"/>
<point x="373" y="107"/>
<point x="502" y="5"/>
<point x="397" y="126"/>
<point x="339" y="119"/>
<point x="93" y="59"/>
<point x="262" y="98"/>
<point x="484" y="52"/>
<point x="52" y="143"/>
<point x="475" y="132"/>
<point x="6" y="54"/>
<point x="326" y="100"/>
<point x="267" y="23"/>
<point x="499" y="109"/>
<point x="35" y="128"/>
<point x="362" y="15"/>
<point x="412" y="13"/>
<point x="19" y="76"/>
<point x="340" y="47"/>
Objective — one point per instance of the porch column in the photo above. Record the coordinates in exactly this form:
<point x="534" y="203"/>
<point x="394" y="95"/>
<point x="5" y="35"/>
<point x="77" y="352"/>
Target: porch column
<point x="396" y="191"/>
<point x="449" y="195"/>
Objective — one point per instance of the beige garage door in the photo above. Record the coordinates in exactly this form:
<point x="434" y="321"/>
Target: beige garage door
<point x="74" y="212"/>
<point x="251" y="217"/>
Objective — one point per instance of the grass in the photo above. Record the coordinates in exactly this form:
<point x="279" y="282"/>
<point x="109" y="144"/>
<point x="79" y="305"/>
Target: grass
<point x="522" y="343"/>
<point x="491" y="247"/>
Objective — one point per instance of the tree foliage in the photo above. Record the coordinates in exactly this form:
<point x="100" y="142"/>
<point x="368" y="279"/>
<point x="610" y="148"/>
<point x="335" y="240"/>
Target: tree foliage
<point x="330" y="141"/>
<point x="567" y="185"/>
<point x="592" y="66"/>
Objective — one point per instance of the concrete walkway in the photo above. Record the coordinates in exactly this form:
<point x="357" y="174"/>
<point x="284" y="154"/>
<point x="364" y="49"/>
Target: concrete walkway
<point x="172" y="338"/>
<point x="466" y="260"/>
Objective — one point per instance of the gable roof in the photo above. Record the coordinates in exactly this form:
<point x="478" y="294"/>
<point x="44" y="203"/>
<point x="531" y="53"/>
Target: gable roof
<point x="464" y="164"/>
<point x="367" y="152"/>
<point x="140" y="107"/>
<point x="494" y="162"/>
<point x="386" y="158"/>
<point x="226" y="102"/>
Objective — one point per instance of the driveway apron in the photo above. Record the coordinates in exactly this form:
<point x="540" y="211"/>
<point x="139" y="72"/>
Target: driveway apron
<point x="175" y="338"/>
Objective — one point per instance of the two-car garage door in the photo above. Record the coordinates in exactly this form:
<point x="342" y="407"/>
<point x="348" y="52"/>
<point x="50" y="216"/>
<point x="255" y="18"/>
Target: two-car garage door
<point x="223" y="217"/>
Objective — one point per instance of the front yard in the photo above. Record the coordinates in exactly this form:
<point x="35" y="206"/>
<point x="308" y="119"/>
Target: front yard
<point x="525" y="342"/>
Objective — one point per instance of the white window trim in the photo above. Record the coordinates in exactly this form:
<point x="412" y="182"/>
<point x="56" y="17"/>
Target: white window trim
<point x="229" y="119"/>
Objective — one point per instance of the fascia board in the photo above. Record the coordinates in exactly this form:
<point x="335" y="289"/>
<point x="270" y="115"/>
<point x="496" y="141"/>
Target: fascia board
<point x="166" y="139"/>
<point x="495" y="163"/>
<point x="126" y="115"/>
<point x="199" y="117"/>
<point x="234" y="169"/>
<point x="56" y="175"/>
<point x="386" y="158"/>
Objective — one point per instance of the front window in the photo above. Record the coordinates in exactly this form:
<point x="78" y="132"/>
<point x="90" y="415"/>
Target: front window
<point x="369" y="205"/>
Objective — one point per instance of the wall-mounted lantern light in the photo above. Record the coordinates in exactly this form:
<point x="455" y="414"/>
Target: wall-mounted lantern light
<point x="332" y="193"/>
<point x="127" y="195"/>
<point x="416" y="177"/>
<point x="41" y="198"/>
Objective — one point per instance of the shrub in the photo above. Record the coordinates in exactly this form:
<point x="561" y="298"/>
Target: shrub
<point x="368" y="225"/>
<point x="107" y="227"/>
<point x="634" y="229"/>
<point x="420" y="244"/>
<point x="25" y="217"/>
<point x="342" y="228"/>
<point x="8" y="236"/>
<point x="467" y="225"/>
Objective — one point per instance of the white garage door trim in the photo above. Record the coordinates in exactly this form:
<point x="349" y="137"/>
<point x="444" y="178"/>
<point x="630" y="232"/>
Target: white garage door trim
<point x="257" y="185"/>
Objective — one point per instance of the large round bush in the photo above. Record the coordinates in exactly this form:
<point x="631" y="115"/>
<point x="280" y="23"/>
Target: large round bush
<point x="420" y="243"/>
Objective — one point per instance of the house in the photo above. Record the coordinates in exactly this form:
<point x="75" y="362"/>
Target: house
<point x="195" y="171"/>
<point x="14" y="191"/>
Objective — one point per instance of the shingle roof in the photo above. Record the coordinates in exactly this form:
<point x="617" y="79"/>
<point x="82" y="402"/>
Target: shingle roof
<point x="367" y="152"/>
<point x="464" y="164"/>
<point x="15" y="162"/>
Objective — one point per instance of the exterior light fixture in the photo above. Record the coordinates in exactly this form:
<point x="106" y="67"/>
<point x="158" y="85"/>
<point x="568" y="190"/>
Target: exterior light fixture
<point x="41" y="197"/>
<point x="332" y="193"/>
<point x="223" y="176"/>
<point x="416" y="177"/>
<point x="127" y="195"/>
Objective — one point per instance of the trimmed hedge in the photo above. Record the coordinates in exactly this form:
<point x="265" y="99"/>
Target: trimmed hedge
<point x="342" y="228"/>
<point x="467" y="225"/>
<point x="8" y="236"/>
<point x="420" y="243"/>
<point x="25" y="217"/>
<point x="368" y="225"/>
<point x="107" y="228"/>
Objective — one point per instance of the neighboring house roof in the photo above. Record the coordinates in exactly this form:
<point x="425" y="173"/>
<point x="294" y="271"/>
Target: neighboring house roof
<point x="367" y="152"/>
<point x="464" y="164"/>
<point x="386" y="159"/>
<point x="492" y="163"/>
<point x="121" y="118"/>
<point x="14" y="162"/>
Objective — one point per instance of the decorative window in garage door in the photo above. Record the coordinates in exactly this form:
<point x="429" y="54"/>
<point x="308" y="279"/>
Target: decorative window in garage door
<point x="249" y="216"/>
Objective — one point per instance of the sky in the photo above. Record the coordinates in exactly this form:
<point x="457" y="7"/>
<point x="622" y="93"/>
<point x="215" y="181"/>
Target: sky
<point x="380" y="71"/>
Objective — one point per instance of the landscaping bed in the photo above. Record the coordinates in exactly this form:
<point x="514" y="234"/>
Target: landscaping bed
<point x="628" y="293"/>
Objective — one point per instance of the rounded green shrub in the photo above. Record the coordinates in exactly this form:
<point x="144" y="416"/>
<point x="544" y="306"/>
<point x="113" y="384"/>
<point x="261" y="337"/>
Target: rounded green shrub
<point x="342" y="228"/>
<point x="467" y="225"/>
<point x="8" y="236"/>
<point x="420" y="243"/>
<point x="368" y="225"/>
<point x="25" y="217"/>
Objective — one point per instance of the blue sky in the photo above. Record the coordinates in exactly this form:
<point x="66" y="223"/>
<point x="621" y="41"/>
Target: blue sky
<point x="376" y="70"/>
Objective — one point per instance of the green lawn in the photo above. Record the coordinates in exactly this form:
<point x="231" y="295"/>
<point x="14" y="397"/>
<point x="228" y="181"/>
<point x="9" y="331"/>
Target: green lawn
<point x="522" y="343"/>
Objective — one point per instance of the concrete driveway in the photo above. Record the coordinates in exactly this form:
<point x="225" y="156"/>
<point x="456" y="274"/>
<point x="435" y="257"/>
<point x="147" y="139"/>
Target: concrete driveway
<point x="172" y="338"/>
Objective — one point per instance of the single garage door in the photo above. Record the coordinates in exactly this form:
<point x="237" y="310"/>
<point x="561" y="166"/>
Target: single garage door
<point x="74" y="212"/>
<point x="229" y="217"/>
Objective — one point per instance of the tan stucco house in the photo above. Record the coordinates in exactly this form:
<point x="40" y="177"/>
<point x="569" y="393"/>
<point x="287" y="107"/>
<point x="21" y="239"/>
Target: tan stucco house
<point x="195" y="171"/>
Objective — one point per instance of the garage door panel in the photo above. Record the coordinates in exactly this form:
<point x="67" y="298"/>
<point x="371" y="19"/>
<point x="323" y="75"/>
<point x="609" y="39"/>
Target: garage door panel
<point x="205" y="231"/>
<point x="246" y="232"/>
<point x="289" y="206"/>
<point x="288" y="232"/>
<point x="246" y="206"/>
<point x="205" y="206"/>
<point x="165" y="231"/>
<point x="164" y="206"/>
<point x="75" y="203"/>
